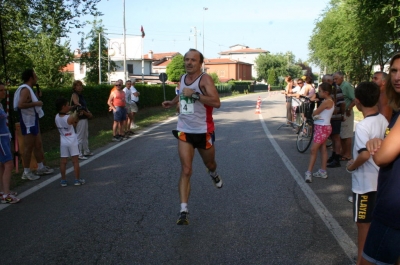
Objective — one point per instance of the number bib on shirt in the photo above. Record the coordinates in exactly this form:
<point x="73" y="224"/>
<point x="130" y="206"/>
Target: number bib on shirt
<point x="186" y="105"/>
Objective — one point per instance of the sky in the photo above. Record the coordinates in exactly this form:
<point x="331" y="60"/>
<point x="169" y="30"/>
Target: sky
<point x="275" y="26"/>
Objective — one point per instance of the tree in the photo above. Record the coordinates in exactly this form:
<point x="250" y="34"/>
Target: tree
<point x="215" y="78"/>
<point x="271" y="77"/>
<point x="90" y="57"/>
<point x="176" y="68"/>
<point x="25" y="25"/>
<point x="282" y="64"/>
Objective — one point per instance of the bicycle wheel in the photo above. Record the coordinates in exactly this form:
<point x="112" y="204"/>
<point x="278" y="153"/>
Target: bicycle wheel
<point x="329" y="142"/>
<point x="304" y="137"/>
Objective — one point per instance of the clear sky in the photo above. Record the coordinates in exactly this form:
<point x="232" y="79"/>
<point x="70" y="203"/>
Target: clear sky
<point x="275" y="26"/>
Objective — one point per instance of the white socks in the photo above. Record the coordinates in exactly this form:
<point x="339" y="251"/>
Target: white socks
<point x="184" y="207"/>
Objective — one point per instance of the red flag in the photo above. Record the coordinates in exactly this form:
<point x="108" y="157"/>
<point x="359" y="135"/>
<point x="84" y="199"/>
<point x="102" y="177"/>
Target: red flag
<point x="142" y="30"/>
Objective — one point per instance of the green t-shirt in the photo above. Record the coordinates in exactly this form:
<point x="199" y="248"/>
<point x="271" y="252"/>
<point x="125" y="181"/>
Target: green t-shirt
<point x="348" y="93"/>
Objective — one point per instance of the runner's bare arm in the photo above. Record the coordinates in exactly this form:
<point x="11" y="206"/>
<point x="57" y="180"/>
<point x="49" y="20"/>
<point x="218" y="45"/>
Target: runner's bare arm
<point x="110" y="101"/>
<point x="210" y="97"/>
<point x="25" y="100"/>
<point x="167" y="104"/>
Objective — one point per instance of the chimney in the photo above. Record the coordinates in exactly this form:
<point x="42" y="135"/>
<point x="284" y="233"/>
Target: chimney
<point x="150" y="54"/>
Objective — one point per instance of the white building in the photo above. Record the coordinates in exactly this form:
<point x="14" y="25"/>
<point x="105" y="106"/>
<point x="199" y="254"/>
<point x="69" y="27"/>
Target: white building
<point x="245" y="54"/>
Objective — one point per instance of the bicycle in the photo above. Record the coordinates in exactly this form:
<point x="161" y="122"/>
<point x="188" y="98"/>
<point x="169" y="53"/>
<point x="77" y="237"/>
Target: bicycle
<point x="306" y="130"/>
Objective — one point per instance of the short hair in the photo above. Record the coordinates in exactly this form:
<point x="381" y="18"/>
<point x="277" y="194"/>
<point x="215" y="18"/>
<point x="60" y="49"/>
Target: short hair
<point x="27" y="74"/>
<point x="76" y="83"/>
<point x="325" y="77"/>
<point x="128" y="81"/>
<point x="339" y="74"/>
<point x="60" y="102"/>
<point x="384" y="74"/>
<point x="367" y="93"/>
<point x="288" y="78"/>
<point x="325" y="87"/>
<point x="392" y="95"/>
<point x="194" y="50"/>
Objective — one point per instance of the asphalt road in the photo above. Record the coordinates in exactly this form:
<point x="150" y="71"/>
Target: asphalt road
<point x="126" y="212"/>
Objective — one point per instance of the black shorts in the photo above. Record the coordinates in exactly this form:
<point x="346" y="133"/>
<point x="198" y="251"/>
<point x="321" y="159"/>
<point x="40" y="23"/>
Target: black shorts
<point x="198" y="140"/>
<point x="336" y="126"/>
<point x="363" y="206"/>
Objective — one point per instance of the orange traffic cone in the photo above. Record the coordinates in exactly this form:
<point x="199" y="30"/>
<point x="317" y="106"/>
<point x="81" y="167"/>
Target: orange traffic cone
<point x="258" y="107"/>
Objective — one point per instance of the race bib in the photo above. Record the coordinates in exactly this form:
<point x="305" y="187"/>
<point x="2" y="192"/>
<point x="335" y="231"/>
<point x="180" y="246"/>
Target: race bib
<point x="186" y="105"/>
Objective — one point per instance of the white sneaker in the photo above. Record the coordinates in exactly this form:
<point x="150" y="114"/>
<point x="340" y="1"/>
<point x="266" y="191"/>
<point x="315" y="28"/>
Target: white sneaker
<point x="319" y="174"/>
<point x="30" y="176"/>
<point x="82" y="157"/>
<point x="134" y="126"/>
<point x="350" y="199"/>
<point x="88" y="154"/>
<point x="308" y="177"/>
<point x="44" y="171"/>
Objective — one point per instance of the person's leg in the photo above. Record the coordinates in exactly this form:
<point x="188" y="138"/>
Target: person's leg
<point x="208" y="157"/>
<point x="115" y="128"/>
<point x="129" y="121"/>
<point x="29" y="142"/>
<point x="85" y="138"/>
<point x="186" y="154"/>
<point x="346" y="147"/>
<point x="38" y="149"/>
<point x="5" y="176"/>
<point x="80" y="134"/>
<point x="75" y="163"/>
<point x="63" y="167"/>
<point x="313" y="156"/>
<point x="362" y="235"/>
<point x="324" y="155"/>
<point x="1" y="177"/>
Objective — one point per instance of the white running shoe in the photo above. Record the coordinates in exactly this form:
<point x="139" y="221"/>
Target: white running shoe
<point x="319" y="174"/>
<point x="44" y="171"/>
<point x="308" y="177"/>
<point x="81" y="157"/>
<point x="30" y="176"/>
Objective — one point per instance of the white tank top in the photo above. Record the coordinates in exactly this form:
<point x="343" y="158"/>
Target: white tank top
<point x="194" y="117"/>
<point x="67" y="132"/>
<point x="325" y="116"/>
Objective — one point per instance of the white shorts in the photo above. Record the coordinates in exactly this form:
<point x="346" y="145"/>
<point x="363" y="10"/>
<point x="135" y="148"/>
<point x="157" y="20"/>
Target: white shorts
<point x="68" y="151"/>
<point x="132" y="107"/>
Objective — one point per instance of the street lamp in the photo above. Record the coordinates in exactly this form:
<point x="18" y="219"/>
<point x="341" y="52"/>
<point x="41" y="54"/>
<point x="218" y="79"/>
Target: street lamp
<point x="204" y="11"/>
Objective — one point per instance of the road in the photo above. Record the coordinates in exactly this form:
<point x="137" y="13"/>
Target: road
<point x="126" y="212"/>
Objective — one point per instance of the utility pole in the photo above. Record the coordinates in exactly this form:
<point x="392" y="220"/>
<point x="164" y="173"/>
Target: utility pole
<point x="125" y="76"/>
<point x="99" y="57"/>
<point x="195" y="37"/>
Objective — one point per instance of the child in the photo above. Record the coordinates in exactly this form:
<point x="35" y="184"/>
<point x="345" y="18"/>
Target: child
<point x="6" y="158"/>
<point x="68" y="140"/>
<point x="322" y="130"/>
<point x="364" y="170"/>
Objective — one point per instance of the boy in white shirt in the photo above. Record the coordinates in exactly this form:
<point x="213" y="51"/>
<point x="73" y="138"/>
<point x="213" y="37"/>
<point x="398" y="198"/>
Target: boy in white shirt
<point x="68" y="140"/>
<point x="363" y="168"/>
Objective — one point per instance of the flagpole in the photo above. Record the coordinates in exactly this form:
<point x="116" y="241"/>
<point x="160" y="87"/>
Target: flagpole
<point x="125" y="77"/>
<point x="142" y="62"/>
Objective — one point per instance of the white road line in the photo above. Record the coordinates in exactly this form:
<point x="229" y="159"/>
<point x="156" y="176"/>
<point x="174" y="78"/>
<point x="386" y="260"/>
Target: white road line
<point x="340" y="235"/>
<point x="70" y="169"/>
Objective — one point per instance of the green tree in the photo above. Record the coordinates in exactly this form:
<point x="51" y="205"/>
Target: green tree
<point x="215" y="78"/>
<point x="176" y="68"/>
<point x="27" y="24"/>
<point x="90" y="57"/>
<point x="271" y="77"/>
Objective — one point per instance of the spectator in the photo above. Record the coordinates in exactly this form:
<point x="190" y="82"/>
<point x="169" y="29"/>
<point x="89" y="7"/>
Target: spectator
<point x="30" y="110"/>
<point x="364" y="170"/>
<point x="116" y="102"/>
<point x="132" y="101"/>
<point x="347" y="128"/>
<point x="379" y="78"/>
<point x="288" y="90"/>
<point x="382" y="245"/>
<point x="6" y="157"/>
<point x="82" y="128"/>
<point x="68" y="140"/>
<point x="322" y="130"/>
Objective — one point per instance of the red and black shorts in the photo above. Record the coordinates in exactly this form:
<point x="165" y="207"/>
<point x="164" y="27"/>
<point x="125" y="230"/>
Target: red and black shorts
<point x="198" y="140"/>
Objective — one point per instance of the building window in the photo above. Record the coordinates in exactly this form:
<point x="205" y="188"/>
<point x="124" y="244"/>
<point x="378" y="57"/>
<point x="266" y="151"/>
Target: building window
<point x="130" y="69"/>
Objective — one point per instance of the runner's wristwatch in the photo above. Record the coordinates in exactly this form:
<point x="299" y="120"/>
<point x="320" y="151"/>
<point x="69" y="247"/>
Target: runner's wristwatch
<point x="196" y="96"/>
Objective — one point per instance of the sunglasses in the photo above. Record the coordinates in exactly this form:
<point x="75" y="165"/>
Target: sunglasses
<point x="117" y="85"/>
